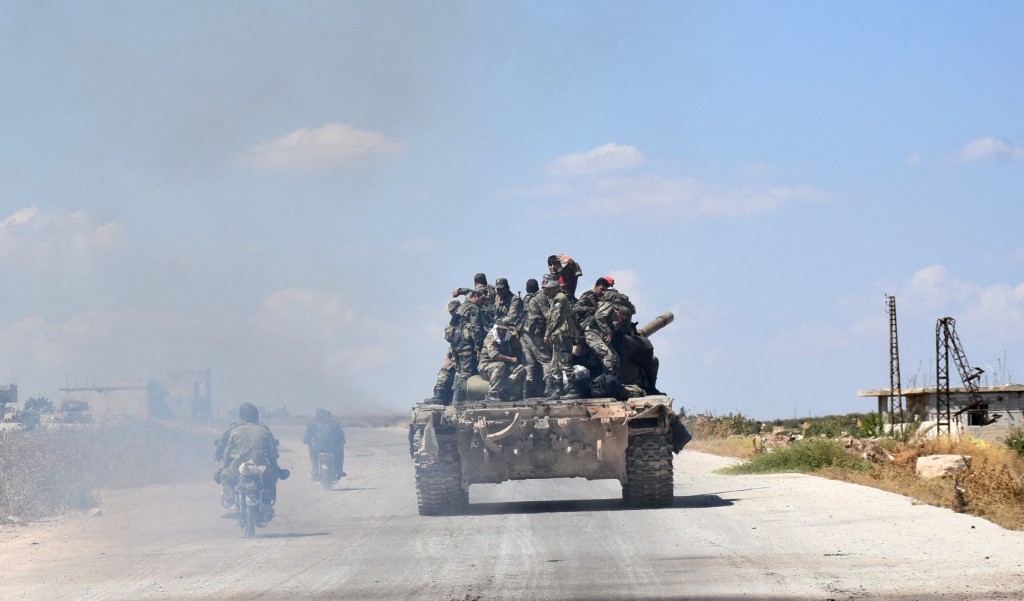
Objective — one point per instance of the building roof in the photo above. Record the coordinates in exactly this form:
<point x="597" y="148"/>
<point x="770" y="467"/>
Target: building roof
<point x="931" y="390"/>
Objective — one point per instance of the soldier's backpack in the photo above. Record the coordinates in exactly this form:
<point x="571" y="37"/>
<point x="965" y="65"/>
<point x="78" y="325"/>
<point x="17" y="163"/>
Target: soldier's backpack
<point x="608" y="385"/>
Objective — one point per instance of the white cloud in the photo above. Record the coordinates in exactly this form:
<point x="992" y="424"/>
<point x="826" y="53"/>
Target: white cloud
<point x="333" y="145"/>
<point x="39" y="239"/>
<point x="931" y="288"/>
<point x="989" y="147"/>
<point x="607" y="157"/>
<point x="656" y="197"/>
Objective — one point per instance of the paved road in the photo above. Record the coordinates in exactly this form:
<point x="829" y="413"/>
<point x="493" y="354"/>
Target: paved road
<point x="726" y="537"/>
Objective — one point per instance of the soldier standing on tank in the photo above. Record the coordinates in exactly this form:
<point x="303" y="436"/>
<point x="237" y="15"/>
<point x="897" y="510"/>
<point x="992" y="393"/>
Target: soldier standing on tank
<point x="487" y="308"/>
<point x="467" y="339"/>
<point x="536" y="351"/>
<point x="561" y="333"/>
<point x="500" y="363"/>
<point x="566" y="271"/>
<point x="507" y="305"/>
<point x="446" y="375"/>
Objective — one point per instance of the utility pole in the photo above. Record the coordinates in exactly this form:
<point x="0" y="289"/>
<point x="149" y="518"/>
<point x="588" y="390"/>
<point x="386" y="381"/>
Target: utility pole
<point x="895" y="387"/>
<point x="946" y="343"/>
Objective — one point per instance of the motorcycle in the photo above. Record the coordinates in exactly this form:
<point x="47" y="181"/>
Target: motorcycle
<point x="253" y="512"/>
<point x="327" y="472"/>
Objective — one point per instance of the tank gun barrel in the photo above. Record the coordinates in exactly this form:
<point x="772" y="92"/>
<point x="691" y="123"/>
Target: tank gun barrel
<point x="656" y="324"/>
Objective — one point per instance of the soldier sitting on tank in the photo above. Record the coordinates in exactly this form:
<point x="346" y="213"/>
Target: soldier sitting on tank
<point x="600" y="330"/>
<point x="501" y="364"/>
<point x="324" y="435"/>
<point x="249" y="441"/>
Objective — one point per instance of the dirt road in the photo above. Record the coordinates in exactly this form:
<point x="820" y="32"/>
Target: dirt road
<point x="727" y="537"/>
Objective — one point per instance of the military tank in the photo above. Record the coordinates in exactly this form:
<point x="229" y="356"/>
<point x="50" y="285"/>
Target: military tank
<point x="598" y="438"/>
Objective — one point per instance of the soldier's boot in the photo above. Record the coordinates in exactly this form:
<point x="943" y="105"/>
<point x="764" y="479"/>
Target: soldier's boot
<point x="570" y="390"/>
<point x="458" y="391"/>
<point x="552" y="390"/>
<point x="492" y="398"/>
<point x="527" y="389"/>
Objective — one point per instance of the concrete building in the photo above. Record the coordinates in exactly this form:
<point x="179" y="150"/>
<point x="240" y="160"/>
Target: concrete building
<point x="920" y="403"/>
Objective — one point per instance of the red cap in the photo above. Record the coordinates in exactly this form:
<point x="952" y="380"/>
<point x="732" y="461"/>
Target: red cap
<point x="609" y="279"/>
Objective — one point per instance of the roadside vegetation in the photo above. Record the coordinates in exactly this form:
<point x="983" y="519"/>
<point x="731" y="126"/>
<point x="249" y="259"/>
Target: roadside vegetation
<point x="851" y="448"/>
<point x="46" y="471"/>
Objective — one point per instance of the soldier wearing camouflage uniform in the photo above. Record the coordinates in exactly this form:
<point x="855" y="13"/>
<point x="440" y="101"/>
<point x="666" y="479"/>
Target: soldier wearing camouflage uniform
<point x="500" y="363"/>
<point x="508" y="305"/>
<point x="562" y="333"/>
<point x="467" y="339"/>
<point x="536" y="352"/>
<point x="247" y="441"/>
<point x="446" y="375"/>
<point x="599" y="330"/>
<point x="490" y="295"/>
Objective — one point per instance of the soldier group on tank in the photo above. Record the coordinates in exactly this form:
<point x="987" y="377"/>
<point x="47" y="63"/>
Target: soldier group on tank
<point x="546" y="343"/>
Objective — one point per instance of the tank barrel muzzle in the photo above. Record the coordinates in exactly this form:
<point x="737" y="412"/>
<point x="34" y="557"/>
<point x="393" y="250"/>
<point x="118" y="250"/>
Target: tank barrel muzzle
<point x="656" y="324"/>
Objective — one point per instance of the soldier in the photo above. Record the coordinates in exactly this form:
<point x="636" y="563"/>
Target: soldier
<point x="561" y="333"/>
<point x="567" y="271"/>
<point x="586" y="306"/>
<point x="500" y="363"/>
<point x="611" y="295"/>
<point x="507" y="305"/>
<point x="488" y="306"/>
<point x="600" y="329"/>
<point x="536" y="352"/>
<point x="446" y="375"/>
<point x="324" y="435"/>
<point x="467" y="339"/>
<point x="250" y="440"/>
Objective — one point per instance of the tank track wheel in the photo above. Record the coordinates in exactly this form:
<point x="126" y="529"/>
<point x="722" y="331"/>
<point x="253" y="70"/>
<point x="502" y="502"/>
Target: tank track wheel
<point x="439" y="488"/>
<point x="648" y="472"/>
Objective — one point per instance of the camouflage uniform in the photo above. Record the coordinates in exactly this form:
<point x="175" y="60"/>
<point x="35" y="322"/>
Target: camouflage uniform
<point x="252" y="442"/>
<point x="562" y="333"/>
<point x="536" y="352"/>
<point x="501" y="365"/>
<point x="510" y="307"/>
<point x="600" y="329"/>
<point x="446" y="375"/>
<point x="467" y="339"/>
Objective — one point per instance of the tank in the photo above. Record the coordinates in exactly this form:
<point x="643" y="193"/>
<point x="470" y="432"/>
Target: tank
<point x="476" y="442"/>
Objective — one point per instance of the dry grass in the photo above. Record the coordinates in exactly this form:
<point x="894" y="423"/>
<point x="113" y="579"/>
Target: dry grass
<point x="741" y="447"/>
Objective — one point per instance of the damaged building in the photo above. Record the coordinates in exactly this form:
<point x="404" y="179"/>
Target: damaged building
<point x="1002" y="405"/>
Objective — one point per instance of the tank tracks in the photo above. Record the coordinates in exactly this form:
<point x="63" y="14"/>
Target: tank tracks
<point x="649" y="482"/>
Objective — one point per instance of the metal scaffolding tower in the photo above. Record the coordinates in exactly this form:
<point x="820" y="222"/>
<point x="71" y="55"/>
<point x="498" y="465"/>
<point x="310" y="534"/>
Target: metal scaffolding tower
<point x="946" y="343"/>
<point x="895" y="387"/>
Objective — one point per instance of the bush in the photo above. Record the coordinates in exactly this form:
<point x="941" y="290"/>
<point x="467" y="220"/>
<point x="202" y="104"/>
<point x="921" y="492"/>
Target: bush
<point x="1015" y="440"/>
<point x="46" y="471"/>
<point x="805" y="456"/>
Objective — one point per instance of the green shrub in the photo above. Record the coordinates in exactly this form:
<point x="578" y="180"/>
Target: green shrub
<point x="805" y="456"/>
<point x="1015" y="440"/>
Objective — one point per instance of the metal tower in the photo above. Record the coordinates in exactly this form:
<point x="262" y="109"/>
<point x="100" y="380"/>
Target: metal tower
<point x="946" y="343"/>
<point x="895" y="387"/>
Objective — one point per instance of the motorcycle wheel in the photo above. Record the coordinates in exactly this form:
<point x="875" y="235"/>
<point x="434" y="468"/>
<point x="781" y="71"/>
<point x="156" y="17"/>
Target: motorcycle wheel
<point x="326" y="478"/>
<point x="249" y="524"/>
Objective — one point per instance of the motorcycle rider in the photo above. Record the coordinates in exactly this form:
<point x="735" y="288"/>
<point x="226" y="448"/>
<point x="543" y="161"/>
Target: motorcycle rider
<point x="250" y="440"/>
<point x="324" y="435"/>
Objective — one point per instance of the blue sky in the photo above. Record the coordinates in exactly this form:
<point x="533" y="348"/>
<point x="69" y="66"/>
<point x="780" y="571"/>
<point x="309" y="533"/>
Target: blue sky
<point x="287" y="194"/>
